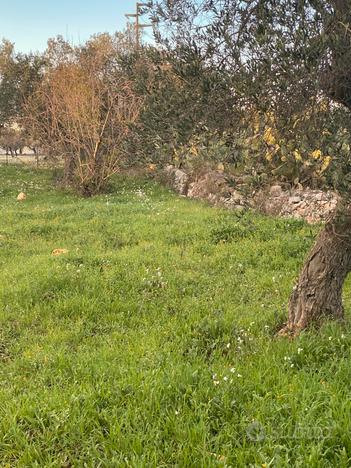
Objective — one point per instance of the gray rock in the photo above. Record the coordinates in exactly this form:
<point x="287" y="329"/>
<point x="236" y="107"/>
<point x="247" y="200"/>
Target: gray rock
<point x="181" y="181"/>
<point x="294" y="199"/>
<point x="237" y="198"/>
<point x="178" y="179"/>
<point x="276" y="190"/>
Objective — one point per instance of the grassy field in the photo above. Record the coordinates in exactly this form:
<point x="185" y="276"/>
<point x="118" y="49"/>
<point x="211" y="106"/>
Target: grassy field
<point x="150" y="343"/>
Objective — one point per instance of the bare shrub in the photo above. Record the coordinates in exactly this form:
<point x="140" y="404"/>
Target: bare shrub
<point x="81" y="112"/>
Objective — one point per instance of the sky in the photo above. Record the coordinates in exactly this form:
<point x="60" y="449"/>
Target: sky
<point x="29" y="23"/>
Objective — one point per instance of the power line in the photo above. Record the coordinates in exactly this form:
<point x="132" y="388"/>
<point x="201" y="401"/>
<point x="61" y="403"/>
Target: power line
<point x="138" y="26"/>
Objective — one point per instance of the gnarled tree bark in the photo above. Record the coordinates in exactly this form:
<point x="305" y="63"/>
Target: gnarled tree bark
<point x="318" y="292"/>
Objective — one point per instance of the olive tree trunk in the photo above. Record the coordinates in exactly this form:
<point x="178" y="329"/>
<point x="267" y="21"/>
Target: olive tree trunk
<point x="318" y="292"/>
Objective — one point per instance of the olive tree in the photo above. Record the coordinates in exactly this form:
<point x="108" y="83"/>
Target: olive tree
<point x="283" y="58"/>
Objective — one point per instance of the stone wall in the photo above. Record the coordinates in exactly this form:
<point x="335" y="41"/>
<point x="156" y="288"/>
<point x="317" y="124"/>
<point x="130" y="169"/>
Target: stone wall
<point x="222" y="189"/>
<point x="214" y="186"/>
<point x="312" y="205"/>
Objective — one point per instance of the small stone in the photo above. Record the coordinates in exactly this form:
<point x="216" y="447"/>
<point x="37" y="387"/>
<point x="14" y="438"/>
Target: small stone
<point x="237" y="197"/>
<point x="294" y="199"/>
<point x="58" y="252"/>
<point x="276" y="190"/>
<point x="21" y="197"/>
<point x="181" y="182"/>
<point x="169" y="168"/>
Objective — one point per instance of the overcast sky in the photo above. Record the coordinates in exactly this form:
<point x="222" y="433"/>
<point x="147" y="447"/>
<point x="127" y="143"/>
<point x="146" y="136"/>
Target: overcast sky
<point x="29" y="23"/>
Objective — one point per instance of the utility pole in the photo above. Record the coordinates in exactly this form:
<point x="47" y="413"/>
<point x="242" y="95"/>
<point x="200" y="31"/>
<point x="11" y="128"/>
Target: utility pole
<point x="138" y="26"/>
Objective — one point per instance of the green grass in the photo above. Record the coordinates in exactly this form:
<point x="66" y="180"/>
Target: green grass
<point x="150" y="343"/>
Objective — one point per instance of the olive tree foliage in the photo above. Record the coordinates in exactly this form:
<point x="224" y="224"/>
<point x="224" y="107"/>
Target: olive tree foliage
<point x="271" y="61"/>
<point x="289" y="65"/>
<point x="268" y="48"/>
<point x="82" y="111"/>
<point x="178" y="102"/>
<point x="19" y="75"/>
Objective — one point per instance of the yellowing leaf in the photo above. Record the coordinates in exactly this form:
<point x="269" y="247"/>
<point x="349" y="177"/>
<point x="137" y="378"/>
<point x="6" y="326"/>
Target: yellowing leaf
<point x="316" y="154"/>
<point x="297" y="155"/>
<point x="193" y="150"/>
<point x="325" y="164"/>
<point x="269" y="156"/>
<point x="323" y="106"/>
<point x="269" y="137"/>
